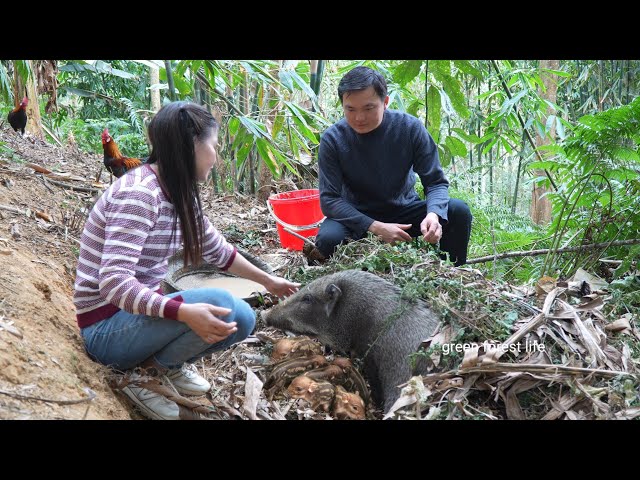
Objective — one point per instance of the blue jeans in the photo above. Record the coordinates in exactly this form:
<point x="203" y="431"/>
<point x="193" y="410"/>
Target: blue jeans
<point x="125" y="340"/>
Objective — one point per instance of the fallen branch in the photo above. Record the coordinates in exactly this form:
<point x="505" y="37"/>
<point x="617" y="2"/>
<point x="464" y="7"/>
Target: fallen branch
<point x="44" y="182"/>
<point x="74" y="187"/>
<point x="51" y="134"/>
<point x="543" y="251"/>
<point x="38" y="168"/>
<point x="501" y="367"/>
<point x="542" y="368"/>
<point x="53" y="175"/>
<point x="38" y="214"/>
<point x="91" y="396"/>
<point x="10" y="328"/>
<point x="9" y="208"/>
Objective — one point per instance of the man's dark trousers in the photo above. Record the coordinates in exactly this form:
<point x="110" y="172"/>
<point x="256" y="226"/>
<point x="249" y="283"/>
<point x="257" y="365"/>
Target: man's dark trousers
<point x="455" y="234"/>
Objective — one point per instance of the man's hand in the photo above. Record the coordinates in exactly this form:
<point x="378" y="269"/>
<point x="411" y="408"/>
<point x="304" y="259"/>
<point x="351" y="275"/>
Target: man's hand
<point x="391" y="232"/>
<point x="431" y="228"/>
<point x="203" y="319"/>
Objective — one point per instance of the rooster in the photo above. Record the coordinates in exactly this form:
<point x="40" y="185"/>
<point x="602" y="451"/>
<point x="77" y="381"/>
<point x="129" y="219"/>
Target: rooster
<point x="18" y="116"/>
<point x="116" y="163"/>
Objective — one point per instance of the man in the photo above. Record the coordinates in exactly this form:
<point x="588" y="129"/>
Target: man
<point x="367" y="162"/>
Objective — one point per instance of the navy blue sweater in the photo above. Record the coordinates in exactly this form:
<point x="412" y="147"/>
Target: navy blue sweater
<point x="365" y="174"/>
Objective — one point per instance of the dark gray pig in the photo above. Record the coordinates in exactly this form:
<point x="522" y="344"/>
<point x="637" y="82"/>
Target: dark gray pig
<point x="361" y="314"/>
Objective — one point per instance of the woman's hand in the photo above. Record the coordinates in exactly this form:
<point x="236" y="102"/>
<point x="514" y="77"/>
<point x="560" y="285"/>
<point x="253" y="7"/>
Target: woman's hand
<point x="280" y="287"/>
<point x="203" y="319"/>
<point x="275" y="285"/>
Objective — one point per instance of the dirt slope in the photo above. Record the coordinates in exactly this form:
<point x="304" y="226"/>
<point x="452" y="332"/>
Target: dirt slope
<point x="41" y="352"/>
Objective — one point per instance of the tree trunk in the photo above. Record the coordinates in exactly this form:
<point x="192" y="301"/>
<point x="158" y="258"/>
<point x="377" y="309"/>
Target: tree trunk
<point x="252" y="106"/>
<point x="19" y="91"/>
<point x="217" y="114"/>
<point x="318" y="90"/>
<point x="467" y="88"/>
<point x="245" y="174"/>
<point x="600" y="85"/>
<point x="154" y="79"/>
<point x="489" y="179"/>
<point x="313" y="74"/>
<point x="172" y="91"/>
<point x="265" y="177"/>
<point x="583" y="90"/>
<point x="233" y="163"/>
<point x="541" y="206"/>
<point x="453" y="157"/>
<point x="315" y="79"/>
<point x="426" y="96"/>
<point x="197" y="93"/>
<point x="471" y="156"/>
<point x="514" y="202"/>
<point x="479" y="146"/>
<point x="490" y="173"/>
<point x="46" y="72"/>
<point x="620" y="65"/>
<point x="628" y="80"/>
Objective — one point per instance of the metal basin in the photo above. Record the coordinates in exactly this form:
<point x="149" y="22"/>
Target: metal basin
<point x="206" y="275"/>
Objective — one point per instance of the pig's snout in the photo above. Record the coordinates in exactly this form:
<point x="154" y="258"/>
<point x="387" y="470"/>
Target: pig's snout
<point x="272" y="319"/>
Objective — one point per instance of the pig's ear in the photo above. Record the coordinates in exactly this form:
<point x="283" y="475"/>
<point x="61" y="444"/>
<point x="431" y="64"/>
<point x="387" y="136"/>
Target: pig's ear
<point x="334" y="293"/>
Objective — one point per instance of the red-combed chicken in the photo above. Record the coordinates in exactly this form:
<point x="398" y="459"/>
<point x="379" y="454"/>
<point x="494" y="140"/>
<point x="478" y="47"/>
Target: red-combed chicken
<point x="116" y="163"/>
<point x="18" y="116"/>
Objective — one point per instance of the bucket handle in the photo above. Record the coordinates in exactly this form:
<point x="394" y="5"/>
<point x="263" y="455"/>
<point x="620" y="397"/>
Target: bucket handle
<point x="296" y="228"/>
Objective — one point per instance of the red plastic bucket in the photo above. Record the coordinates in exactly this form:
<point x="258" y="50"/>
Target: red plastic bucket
<point x="296" y="209"/>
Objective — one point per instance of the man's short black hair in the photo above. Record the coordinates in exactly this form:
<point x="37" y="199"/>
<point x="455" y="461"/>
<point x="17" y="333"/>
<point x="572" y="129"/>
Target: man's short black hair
<point x="360" y="78"/>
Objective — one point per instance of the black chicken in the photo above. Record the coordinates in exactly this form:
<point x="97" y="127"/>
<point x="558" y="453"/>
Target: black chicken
<point x="18" y="116"/>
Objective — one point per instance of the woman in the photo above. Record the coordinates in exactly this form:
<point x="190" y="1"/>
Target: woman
<point x="138" y="223"/>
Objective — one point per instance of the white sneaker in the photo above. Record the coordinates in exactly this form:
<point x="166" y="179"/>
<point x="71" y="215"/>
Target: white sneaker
<point x="152" y="404"/>
<point x="187" y="381"/>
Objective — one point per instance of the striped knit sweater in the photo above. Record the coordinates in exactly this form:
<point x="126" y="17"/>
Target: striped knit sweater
<point x="125" y="247"/>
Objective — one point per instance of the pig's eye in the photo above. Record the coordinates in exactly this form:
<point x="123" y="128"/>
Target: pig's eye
<point x="307" y="299"/>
